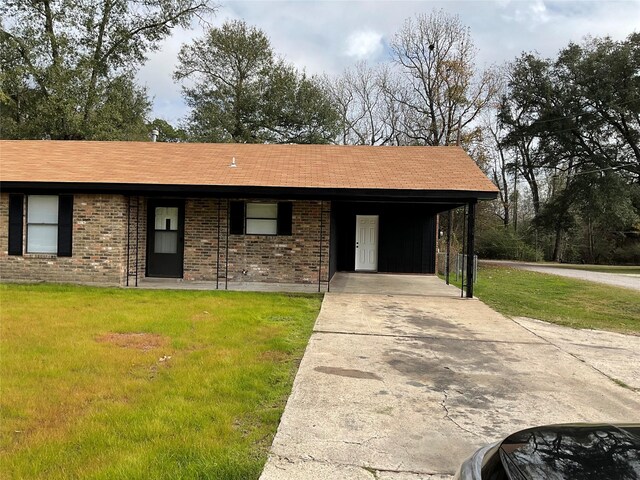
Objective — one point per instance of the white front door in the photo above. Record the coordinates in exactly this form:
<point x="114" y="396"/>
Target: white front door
<point x="367" y="243"/>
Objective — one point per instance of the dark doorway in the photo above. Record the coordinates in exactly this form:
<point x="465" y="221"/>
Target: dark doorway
<point x="165" y="238"/>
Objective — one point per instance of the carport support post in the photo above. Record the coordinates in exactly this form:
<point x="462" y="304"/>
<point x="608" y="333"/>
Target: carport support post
<point x="471" y="236"/>
<point x="448" y="259"/>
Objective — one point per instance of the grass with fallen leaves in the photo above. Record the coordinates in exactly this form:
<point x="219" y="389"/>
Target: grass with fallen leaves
<point x="564" y="301"/>
<point x="105" y="383"/>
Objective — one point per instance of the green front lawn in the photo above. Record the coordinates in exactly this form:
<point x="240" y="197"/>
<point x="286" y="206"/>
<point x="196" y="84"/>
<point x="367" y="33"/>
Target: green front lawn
<point x="131" y="384"/>
<point x="565" y="301"/>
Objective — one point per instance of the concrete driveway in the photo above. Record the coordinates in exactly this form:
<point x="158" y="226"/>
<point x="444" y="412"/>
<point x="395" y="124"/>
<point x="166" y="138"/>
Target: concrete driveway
<point x="405" y="386"/>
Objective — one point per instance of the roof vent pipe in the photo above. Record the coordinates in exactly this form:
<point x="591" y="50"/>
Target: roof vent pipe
<point x="154" y="135"/>
<point x="233" y="162"/>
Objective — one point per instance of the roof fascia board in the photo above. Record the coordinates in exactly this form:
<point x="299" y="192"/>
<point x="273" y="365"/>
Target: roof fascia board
<point x="247" y="191"/>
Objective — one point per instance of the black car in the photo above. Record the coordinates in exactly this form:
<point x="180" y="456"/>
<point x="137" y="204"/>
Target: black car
<point x="560" y="452"/>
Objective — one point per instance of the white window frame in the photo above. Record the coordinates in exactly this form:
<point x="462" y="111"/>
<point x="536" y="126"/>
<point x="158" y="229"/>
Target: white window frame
<point x="40" y="222"/>
<point x="272" y="220"/>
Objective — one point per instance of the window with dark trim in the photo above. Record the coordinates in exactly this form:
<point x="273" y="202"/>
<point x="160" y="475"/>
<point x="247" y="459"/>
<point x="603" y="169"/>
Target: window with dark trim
<point x="42" y="224"/>
<point x="260" y="218"/>
<point x="49" y="224"/>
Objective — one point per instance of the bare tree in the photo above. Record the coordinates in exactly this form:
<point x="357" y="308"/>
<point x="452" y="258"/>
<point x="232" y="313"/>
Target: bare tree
<point x="367" y="115"/>
<point x="440" y="91"/>
<point x="500" y="165"/>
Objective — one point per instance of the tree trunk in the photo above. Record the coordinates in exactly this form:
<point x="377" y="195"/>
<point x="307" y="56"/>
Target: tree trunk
<point x="556" y="245"/>
<point x="96" y="64"/>
<point x="590" y="241"/>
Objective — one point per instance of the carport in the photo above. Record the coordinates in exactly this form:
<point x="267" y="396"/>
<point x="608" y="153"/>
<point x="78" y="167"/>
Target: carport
<point x="397" y="232"/>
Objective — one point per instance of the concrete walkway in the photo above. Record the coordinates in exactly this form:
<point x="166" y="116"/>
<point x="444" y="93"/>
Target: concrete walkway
<point x="179" y="284"/>
<point x="631" y="281"/>
<point x="396" y="387"/>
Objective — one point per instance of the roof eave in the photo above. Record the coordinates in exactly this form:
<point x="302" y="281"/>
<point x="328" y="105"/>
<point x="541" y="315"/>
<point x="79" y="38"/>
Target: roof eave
<point x="316" y="193"/>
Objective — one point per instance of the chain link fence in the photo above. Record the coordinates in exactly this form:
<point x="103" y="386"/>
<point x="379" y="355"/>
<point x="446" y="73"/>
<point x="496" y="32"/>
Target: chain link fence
<point x="457" y="265"/>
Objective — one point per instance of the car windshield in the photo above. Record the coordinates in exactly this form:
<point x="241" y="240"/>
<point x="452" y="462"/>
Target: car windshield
<point x="571" y="452"/>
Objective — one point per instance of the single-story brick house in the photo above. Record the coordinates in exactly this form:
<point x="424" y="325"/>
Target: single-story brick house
<point x="117" y="212"/>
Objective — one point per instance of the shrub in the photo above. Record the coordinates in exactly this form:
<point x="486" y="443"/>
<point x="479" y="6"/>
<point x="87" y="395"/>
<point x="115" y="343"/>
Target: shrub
<point x="628" y="254"/>
<point x="502" y="243"/>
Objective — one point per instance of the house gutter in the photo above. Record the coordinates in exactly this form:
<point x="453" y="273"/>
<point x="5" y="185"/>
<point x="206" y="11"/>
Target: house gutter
<point x="227" y="191"/>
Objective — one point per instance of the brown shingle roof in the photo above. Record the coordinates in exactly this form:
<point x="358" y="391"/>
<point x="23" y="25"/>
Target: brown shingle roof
<point x="298" y="166"/>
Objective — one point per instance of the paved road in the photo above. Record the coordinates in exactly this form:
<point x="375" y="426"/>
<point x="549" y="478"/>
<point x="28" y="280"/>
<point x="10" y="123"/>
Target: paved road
<point x="399" y="387"/>
<point x="615" y="279"/>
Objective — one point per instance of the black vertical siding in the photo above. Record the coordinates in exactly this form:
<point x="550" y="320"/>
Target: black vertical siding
<point x="333" y="244"/>
<point x="431" y="242"/>
<point x="345" y="236"/>
<point x="406" y="241"/>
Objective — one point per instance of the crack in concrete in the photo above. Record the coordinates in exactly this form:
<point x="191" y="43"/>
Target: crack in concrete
<point x="287" y="459"/>
<point x="400" y="465"/>
<point x="450" y="418"/>
<point x="372" y="470"/>
<point x="412" y="472"/>
<point x="347" y="442"/>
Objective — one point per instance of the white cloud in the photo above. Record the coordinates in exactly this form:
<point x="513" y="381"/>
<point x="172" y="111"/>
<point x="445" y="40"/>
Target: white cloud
<point x="531" y="14"/>
<point x="364" y="44"/>
<point x="539" y="12"/>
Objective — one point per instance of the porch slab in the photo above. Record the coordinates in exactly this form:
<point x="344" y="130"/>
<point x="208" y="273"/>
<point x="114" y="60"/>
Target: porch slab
<point x="342" y="282"/>
<point x="180" y="284"/>
<point x="392" y="284"/>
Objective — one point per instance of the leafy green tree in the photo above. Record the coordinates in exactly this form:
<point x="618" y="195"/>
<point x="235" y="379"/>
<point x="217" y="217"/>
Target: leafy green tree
<point x="601" y="88"/>
<point x="525" y="103"/>
<point x="605" y="205"/>
<point x="296" y="108"/>
<point x="121" y="111"/>
<point x="67" y="67"/>
<point x="574" y="125"/>
<point x="239" y="92"/>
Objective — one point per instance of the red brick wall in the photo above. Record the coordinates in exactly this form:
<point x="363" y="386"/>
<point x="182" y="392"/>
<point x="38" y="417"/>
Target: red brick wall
<point x="281" y="258"/>
<point x="99" y="245"/>
<point x="137" y="246"/>
<point x="254" y="258"/>
<point x="201" y="238"/>
<point x="102" y="254"/>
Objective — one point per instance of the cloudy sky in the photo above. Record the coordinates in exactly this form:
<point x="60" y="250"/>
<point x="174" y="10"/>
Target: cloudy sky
<point x="328" y="36"/>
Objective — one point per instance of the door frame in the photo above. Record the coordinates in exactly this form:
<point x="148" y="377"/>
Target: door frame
<point x="377" y="217"/>
<point x="151" y="206"/>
